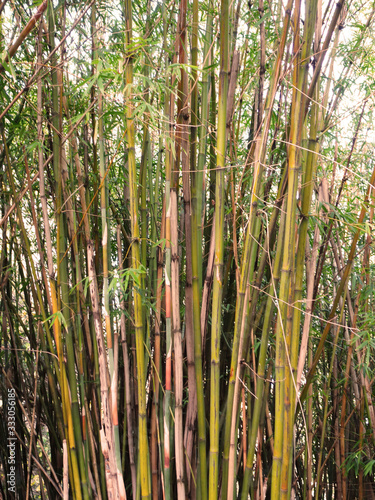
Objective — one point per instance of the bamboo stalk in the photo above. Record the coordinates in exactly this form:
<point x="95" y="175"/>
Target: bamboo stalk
<point x="193" y="330"/>
<point x="155" y="437"/>
<point x="106" y="431"/>
<point x="24" y="33"/>
<point x="281" y="479"/>
<point x="138" y="312"/>
<point x="219" y="254"/>
<point x="66" y="475"/>
<point x="128" y="388"/>
<point x="168" y="117"/>
<point x="177" y="344"/>
<point x="182" y="156"/>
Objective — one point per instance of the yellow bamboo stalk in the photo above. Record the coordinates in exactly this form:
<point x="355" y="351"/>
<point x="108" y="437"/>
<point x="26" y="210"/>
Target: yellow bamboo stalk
<point x="138" y="308"/>
<point x="219" y="254"/>
<point x="284" y="372"/>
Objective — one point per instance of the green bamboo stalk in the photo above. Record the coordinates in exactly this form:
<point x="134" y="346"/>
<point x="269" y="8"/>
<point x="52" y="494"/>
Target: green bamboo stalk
<point x="197" y="191"/>
<point x="196" y="204"/>
<point x="284" y="369"/>
<point x="146" y="161"/>
<point x="212" y="157"/>
<point x="219" y="253"/>
<point x="290" y="381"/>
<point x="138" y="308"/>
<point x="143" y="190"/>
<point x="154" y="202"/>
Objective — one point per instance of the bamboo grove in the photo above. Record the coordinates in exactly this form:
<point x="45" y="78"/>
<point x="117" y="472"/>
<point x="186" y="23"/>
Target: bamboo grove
<point x="187" y="256"/>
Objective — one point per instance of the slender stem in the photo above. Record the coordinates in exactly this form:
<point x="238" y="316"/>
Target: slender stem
<point x="135" y="247"/>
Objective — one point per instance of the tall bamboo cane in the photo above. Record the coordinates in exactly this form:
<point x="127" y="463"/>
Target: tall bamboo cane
<point x="182" y="156"/>
<point x="193" y="333"/>
<point x="169" y="138"/>
<point x="138" y="313"/>
<point x="284" y="376"/>
<point x="219" y="253"/>
<point x="311" y="8"/>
